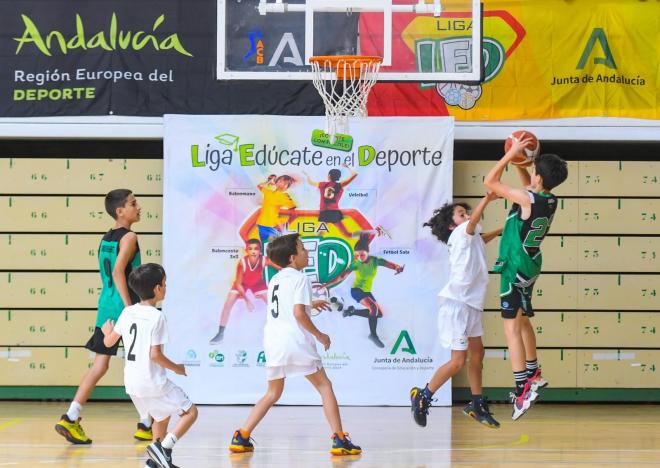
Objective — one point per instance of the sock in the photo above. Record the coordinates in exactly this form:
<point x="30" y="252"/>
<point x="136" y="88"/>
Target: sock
<point x="521" y="379"/>
<point x="341" y="435"/>
<point x="146" y="422"/>
<point x="476" y="400"/>
<point x="221" y="329"/>
<point x="244" y="434"/>
<point x="531" y="367"/>
<point x="427" y="392"/>
<point x="169" y="441"/>
<point x="373" y="322"/>
<point x="361" y="313"/>
<point x="74" y="411"/>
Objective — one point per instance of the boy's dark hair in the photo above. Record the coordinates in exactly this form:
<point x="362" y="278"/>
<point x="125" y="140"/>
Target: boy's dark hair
<point x="334" y="175"/>
<point x="287" y="178"/>
<point x="144" y="279"/>
<point x="253" y="242"/>
<point x="281" y="248"/>
<point x="442" y="220"/>
<point x="552" y="169"/>
<point x="362" y="243"/>
<point x="116" y="199"/>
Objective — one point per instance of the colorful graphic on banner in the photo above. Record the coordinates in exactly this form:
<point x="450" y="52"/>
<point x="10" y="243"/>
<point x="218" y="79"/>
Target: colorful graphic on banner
<point x="542" y="60"/>
<point x="234" y="182"/>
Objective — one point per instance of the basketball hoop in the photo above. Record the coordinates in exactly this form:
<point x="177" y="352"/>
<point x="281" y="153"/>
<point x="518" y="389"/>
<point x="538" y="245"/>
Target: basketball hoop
<point x="344" y="83"/>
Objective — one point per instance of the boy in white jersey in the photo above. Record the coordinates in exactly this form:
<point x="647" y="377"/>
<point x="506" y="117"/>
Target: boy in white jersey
<point x="461" y="304"/>
<point x="290" y="344"/>
<point x="144" y="331"/>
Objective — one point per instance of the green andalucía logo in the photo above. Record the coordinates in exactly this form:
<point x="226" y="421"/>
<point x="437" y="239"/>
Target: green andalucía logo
<point x="112" y="39"/>
<point x="408" y="348"/>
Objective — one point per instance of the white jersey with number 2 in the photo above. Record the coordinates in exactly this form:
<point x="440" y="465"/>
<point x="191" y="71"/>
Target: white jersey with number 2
<point x="141" y="327"/>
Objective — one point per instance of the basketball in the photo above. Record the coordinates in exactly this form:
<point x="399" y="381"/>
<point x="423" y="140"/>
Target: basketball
<point x="529" y="153"/>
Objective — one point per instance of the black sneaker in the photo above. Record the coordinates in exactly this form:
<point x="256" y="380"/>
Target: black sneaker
<point x="348" y="311"/>
<point x="160" y="455"/>
<point x="217" y="339"/>
<point x="481" y="413"/>
<point x="376" y="341"/>
<point x="150" y="464"/>
<point x="419" y="405"/>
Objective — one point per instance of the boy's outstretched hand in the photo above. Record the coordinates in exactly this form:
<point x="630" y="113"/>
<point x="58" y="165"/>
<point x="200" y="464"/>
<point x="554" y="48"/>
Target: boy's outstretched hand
<point x="108" y="327"/>
<point x="324" y="340"/>
<point x="398" y="269"/>
<point x="320" y="304"/>
<point x="492" y="196"/>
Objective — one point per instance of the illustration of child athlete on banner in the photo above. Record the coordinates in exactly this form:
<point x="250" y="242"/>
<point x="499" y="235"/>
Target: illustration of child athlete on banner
<point x="365" y="267"/>
<point x="249" y="277"/>
<point x="274" y="190"/>
<point x="331" y="192"/>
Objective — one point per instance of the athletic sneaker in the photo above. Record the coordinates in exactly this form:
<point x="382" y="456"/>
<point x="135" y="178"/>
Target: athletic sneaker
<point x="143" y="432"/>
<point x="376" y="340"/>
<point x="150" y="464"/>
<point x="523" y="402"/>
<point x="161" y="455"/>
<point x="72" y="431"/>
<point x="537" y="381"/>
<point x="348" y="311"/>
<point x="419" y="405"/>
<point x="344" y="446"/>
<point x="240" y="444"/>
<point x="481" y="413"/>
<point x="217" y="339"/>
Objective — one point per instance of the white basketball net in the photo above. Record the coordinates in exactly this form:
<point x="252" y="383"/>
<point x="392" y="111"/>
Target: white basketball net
<point x="344" y="86"/>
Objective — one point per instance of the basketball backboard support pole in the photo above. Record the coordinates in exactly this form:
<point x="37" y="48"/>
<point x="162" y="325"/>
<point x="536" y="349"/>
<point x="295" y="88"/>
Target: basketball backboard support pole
<point x="466" y="60"/>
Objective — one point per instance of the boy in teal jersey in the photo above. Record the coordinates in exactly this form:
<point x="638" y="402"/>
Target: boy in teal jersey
<point x="365" y="267"/>
<point x="118" y="254"/>
<point x="520" y="259"/>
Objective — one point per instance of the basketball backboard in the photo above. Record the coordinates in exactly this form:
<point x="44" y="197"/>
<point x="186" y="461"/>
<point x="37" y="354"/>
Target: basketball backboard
<point x="419" y="40"/>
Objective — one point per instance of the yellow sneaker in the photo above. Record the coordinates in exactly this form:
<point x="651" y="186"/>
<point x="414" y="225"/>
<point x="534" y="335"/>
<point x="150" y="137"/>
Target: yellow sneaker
<point x="143" y="432"/>
<point x="72" y="431"/>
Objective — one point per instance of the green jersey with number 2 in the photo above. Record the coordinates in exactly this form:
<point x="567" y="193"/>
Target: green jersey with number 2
<point x="520" y="259"/>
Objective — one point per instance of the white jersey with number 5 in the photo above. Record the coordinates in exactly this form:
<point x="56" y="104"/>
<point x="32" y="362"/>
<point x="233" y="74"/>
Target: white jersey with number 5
<point x="142" y="327"/>
<point x="285" y="341"/>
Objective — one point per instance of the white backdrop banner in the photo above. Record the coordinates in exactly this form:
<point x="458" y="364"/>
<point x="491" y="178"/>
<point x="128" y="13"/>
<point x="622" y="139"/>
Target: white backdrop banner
<point x="231" y="182"/>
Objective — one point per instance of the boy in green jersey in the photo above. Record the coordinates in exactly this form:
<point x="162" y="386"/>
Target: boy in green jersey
<point x="519" y="261"/>
<point x="365" y="267"/>
<point x="118" y="254"/>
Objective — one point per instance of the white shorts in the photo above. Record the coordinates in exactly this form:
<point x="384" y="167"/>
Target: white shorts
<point x="291" y="370"/>
<point x="174" y="401"/>
<point x="457" y="322"/>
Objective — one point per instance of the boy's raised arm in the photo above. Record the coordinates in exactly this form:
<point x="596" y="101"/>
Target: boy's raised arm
<point x="475" y="217"/>
<point x="493" y="182"/>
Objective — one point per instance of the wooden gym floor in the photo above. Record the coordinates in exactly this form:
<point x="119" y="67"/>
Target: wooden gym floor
<point x="548" y="435"/>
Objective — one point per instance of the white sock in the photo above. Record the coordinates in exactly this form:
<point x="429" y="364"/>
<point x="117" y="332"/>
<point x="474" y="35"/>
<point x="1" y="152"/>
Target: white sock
<point x="169" y="441"/>
<point x="74" y="411"/>
<point x="146" y="422"/>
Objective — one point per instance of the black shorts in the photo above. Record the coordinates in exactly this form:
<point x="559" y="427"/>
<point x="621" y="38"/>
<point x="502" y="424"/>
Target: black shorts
<point x="330" y="216"/>
<point x="518" y="298"/>
<point x="96" y="345"/>
<point x="357" y="294"/>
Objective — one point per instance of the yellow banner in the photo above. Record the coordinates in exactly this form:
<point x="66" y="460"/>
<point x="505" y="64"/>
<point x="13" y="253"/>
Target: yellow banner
<point x="554" y="58"/>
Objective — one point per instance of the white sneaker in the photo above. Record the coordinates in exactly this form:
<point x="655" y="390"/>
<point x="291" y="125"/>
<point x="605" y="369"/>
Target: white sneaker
<point x="523" y="402"/>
